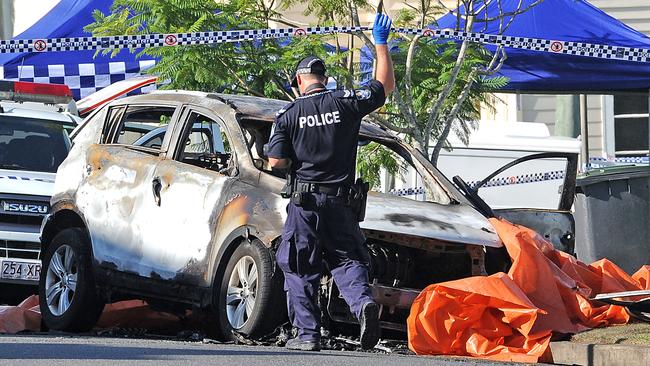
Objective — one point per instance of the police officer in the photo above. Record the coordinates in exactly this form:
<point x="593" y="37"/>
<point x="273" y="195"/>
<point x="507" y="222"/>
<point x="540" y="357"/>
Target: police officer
<point x="316" y="137"/>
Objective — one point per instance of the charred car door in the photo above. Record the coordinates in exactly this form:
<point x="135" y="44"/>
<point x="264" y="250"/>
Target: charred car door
<point x="556" y="225"/>
<point x="184" y="197"/>
<point x="117" y="182"/>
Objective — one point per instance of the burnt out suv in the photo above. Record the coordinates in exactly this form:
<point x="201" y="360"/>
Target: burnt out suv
<point x="190" y="216"/>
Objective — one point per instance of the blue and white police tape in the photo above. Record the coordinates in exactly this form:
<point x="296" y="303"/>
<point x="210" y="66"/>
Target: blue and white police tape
<point x="605" y="162"/>
<point x="593" y="50"/>
<point x="496" y="182"/>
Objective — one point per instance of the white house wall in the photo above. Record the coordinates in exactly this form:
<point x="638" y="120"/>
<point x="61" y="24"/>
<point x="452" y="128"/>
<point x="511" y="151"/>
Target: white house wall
<point x="541" y="108"/>
<point x="635" y="13"/>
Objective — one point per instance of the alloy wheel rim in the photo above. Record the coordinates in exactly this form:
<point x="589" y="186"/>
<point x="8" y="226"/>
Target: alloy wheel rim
<point x="61" y="280"/>
<point x="241" y="293"/>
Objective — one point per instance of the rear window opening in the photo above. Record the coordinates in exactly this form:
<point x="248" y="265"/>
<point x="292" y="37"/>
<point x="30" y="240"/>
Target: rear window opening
<point x="257" y="133"/>
<point x="32" y="144"/>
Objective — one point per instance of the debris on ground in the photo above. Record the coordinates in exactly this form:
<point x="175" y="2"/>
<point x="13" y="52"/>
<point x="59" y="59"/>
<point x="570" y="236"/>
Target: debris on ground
<point x="637" y="303"/>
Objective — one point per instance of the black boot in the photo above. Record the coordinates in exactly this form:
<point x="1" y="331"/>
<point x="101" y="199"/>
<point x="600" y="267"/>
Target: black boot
<point x="370" y="329"/>
<point x="300" y="345"/>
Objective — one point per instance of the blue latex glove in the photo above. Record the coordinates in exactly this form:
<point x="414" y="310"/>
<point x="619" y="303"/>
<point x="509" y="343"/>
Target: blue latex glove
<point x="381" y="28"/>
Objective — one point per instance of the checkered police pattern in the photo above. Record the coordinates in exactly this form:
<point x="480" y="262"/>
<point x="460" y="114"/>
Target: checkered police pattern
<point x="544" y="45"/>
<point x="521" y="179"/>
<point x="407" y="191"/>
<point x="496" y="182"/>
<point x="83" y="79"/>
<point x="197" y="38"/>
<point x="598" y="162"/>
<point x="159" y="40"/>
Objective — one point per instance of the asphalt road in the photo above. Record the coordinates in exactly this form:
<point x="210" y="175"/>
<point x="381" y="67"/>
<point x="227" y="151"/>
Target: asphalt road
<point x="98" y="351"/>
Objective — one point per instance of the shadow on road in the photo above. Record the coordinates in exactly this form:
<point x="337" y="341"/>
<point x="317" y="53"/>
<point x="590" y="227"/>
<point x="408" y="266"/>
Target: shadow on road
<point x="76" y="351"/>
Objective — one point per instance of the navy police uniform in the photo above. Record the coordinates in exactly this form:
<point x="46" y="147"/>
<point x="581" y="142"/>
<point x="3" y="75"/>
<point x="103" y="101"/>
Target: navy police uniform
<point x="319" y="133"/>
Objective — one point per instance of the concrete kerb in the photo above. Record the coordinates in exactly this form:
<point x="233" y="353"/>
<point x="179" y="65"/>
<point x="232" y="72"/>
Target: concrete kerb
<point x="569" y="353"/>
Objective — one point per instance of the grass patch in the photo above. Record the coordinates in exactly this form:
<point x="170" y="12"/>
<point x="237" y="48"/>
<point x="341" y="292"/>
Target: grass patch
<point x="634" y="334"/>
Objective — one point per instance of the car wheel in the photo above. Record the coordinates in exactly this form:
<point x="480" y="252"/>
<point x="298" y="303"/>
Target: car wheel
<point x="251" y="298"/>
<point x="67" y="294"/>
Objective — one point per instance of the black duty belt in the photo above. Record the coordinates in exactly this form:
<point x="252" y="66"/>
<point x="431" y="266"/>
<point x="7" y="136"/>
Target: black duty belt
<point x="329" y="189"/>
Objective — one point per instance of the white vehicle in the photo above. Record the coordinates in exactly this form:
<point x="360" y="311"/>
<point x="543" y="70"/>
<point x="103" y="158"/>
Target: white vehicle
<point x="34" y="123"/>
<point x="494" y="145"/>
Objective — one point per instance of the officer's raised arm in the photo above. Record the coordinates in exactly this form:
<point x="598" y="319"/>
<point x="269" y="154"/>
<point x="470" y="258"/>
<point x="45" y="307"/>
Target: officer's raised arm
<point x="384" y="72"/>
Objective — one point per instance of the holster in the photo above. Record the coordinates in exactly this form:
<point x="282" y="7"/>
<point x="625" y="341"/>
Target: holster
<point x="289" y="191"/>
<point x="359" y="198"/>
<point x="289" y="186"/>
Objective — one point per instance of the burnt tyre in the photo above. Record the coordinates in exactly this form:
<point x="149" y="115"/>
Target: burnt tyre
<point x="250" y="298"/>
<point x="67" y="294"/>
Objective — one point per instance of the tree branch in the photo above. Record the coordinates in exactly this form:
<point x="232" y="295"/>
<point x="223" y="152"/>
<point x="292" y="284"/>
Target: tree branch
<point x="241" y="84"/>
<point x="409" y="116"/>
<point x="279" y="83"/>
<point x="354" y="12"/>
<point x="498" y="59"/>
<point x="512" y="14"/>
<point x="385" y="123"/>
<point x="451" y="116"/>
<point x="408" y="81"/>
<point x="446" y="91"/>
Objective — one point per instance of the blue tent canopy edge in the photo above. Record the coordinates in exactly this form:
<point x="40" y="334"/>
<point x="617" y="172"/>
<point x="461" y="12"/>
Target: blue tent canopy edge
<point x="565" y="20"/>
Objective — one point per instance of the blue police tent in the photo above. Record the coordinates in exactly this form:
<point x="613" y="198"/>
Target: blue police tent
<point x="544" y="72"/>
<point x="80" y="70"/>
<point x="564" y="20"/>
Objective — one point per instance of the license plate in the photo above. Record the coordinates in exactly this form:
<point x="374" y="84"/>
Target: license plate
<point x="20" y="270"/>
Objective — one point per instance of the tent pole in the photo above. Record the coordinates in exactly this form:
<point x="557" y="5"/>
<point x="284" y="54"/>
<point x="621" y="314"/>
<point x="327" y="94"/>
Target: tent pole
<point x="584" y="131"/>
<point x="6" y="19"/>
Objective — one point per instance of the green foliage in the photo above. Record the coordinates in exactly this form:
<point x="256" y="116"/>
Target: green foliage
<point x="373" y="157"/>
<point x="261" y="68"/>
<point x="432" y="66"/>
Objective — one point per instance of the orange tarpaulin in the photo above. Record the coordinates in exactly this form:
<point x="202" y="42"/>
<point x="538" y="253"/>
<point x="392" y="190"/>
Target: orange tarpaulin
<point x="642" y="276"/>
<point x="129" y="314"/>
<point x="477" y="316"/>
<point x="551" y="287"/>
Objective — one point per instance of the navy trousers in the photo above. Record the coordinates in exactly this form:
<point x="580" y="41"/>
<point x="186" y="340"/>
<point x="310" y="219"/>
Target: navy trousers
<point x="322" y="229"/>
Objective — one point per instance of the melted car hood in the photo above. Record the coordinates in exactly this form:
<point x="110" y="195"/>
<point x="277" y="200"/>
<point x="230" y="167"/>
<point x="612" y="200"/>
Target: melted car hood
<point x="457" y="223"/>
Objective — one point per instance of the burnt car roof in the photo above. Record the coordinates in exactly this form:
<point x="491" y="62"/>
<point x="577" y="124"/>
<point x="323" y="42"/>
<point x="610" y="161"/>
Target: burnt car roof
<point x="265" y="109"/>
<point x="252" y="107"/>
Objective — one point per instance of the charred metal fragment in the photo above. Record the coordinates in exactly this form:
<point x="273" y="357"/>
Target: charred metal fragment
<point x="637" y="303"/>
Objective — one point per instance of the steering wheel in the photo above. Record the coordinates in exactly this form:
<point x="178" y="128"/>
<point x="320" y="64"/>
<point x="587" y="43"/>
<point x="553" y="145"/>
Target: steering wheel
<point x="473" y="197"/>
